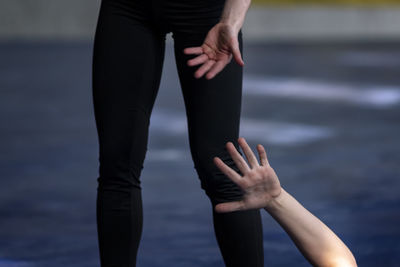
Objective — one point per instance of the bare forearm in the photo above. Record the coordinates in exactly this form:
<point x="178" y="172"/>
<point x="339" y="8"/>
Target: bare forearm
<point x="234" y="13"/>
<point x="312" y="237"/>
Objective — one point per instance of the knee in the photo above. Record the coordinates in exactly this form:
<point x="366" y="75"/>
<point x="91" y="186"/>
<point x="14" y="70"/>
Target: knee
<point x="119" y="173"/>
<point x="123" y="148"/>
<point x="122" y="160"/>
<point x="217" y="186"/>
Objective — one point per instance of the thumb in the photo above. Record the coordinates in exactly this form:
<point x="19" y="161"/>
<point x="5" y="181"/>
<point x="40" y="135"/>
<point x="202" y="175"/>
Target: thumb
<point x="229" y="206"/>
<point x="236" y="52"/>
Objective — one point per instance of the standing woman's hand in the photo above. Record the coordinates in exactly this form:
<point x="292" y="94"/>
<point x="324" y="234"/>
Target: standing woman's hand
<point x="220" y="45"/>
<point x="221" y="42"/>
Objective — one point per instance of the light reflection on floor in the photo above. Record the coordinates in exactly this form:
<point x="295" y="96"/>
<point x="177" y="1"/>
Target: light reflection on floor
<point x="372" y="96"/>
<point x="274" y="132"/>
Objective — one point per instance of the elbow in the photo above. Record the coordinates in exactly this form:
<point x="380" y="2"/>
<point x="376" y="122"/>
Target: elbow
<point x="337" y="259"/>
<point x="348" y="261"/>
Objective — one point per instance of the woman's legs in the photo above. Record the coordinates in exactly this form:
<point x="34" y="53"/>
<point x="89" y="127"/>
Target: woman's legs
<point x="213" y="110"/>
<point x="127" y="65"/>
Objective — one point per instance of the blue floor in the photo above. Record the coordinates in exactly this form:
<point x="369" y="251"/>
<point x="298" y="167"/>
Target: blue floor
<point x="328" y="113"/>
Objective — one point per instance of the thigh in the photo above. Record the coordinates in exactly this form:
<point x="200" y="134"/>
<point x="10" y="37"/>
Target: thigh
<point x="213" y="106"/>
<point x="213" y="109"/>
<point x="127" y="64"/>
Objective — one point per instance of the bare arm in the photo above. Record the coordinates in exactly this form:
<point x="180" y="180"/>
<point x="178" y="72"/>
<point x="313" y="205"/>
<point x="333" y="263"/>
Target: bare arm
<point x="319" y="245"/>
<point x="312" y="237"/>
<point x="234" y="13"/>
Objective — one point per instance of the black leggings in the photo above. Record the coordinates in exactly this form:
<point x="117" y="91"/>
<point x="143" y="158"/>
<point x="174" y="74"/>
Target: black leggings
<point x="127" y="64"/>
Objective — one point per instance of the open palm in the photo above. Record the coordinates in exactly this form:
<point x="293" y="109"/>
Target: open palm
<point x="259" y="182"/>
<point x="217" y="50"/>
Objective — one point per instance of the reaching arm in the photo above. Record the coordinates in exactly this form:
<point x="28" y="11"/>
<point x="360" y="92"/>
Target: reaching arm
<point x="312" y="237"/>
<point x="262" y="189"/>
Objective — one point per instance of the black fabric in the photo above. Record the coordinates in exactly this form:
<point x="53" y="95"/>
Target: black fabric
<point x="128" y="57"/>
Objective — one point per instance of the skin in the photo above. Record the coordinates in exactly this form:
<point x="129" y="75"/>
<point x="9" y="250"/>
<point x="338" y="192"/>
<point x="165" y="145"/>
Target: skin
<point x="221" y="43"/>
<point x="262" y="189"/>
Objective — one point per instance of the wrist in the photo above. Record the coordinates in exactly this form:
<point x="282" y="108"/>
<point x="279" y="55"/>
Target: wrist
<point x="234" y="13"/>
<point x="235" y="25"/>
<point x="276" y="202"/>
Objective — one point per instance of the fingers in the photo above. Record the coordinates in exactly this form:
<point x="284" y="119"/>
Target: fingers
<point x="236" y="53"/>
<point x="193" y="50"/>
<point x="211" y="65"/>
<point x="230" y="206"/>
<point x="237" y="158"/>
<point x="204" y="68"/>
<point x="263" y="155"/>
<point x="228" y="171"/>
<point x="251" y="158"/>
<point x="215" y="69"/>
<point x="197" y="60"/>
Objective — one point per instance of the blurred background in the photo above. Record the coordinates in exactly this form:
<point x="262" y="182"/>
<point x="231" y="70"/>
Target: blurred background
<point x="321" y="92"/>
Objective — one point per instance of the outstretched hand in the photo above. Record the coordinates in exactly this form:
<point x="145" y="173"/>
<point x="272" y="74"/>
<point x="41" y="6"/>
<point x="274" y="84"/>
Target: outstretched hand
<point x="259" y="181"/>
<point x="217" y="50"/>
